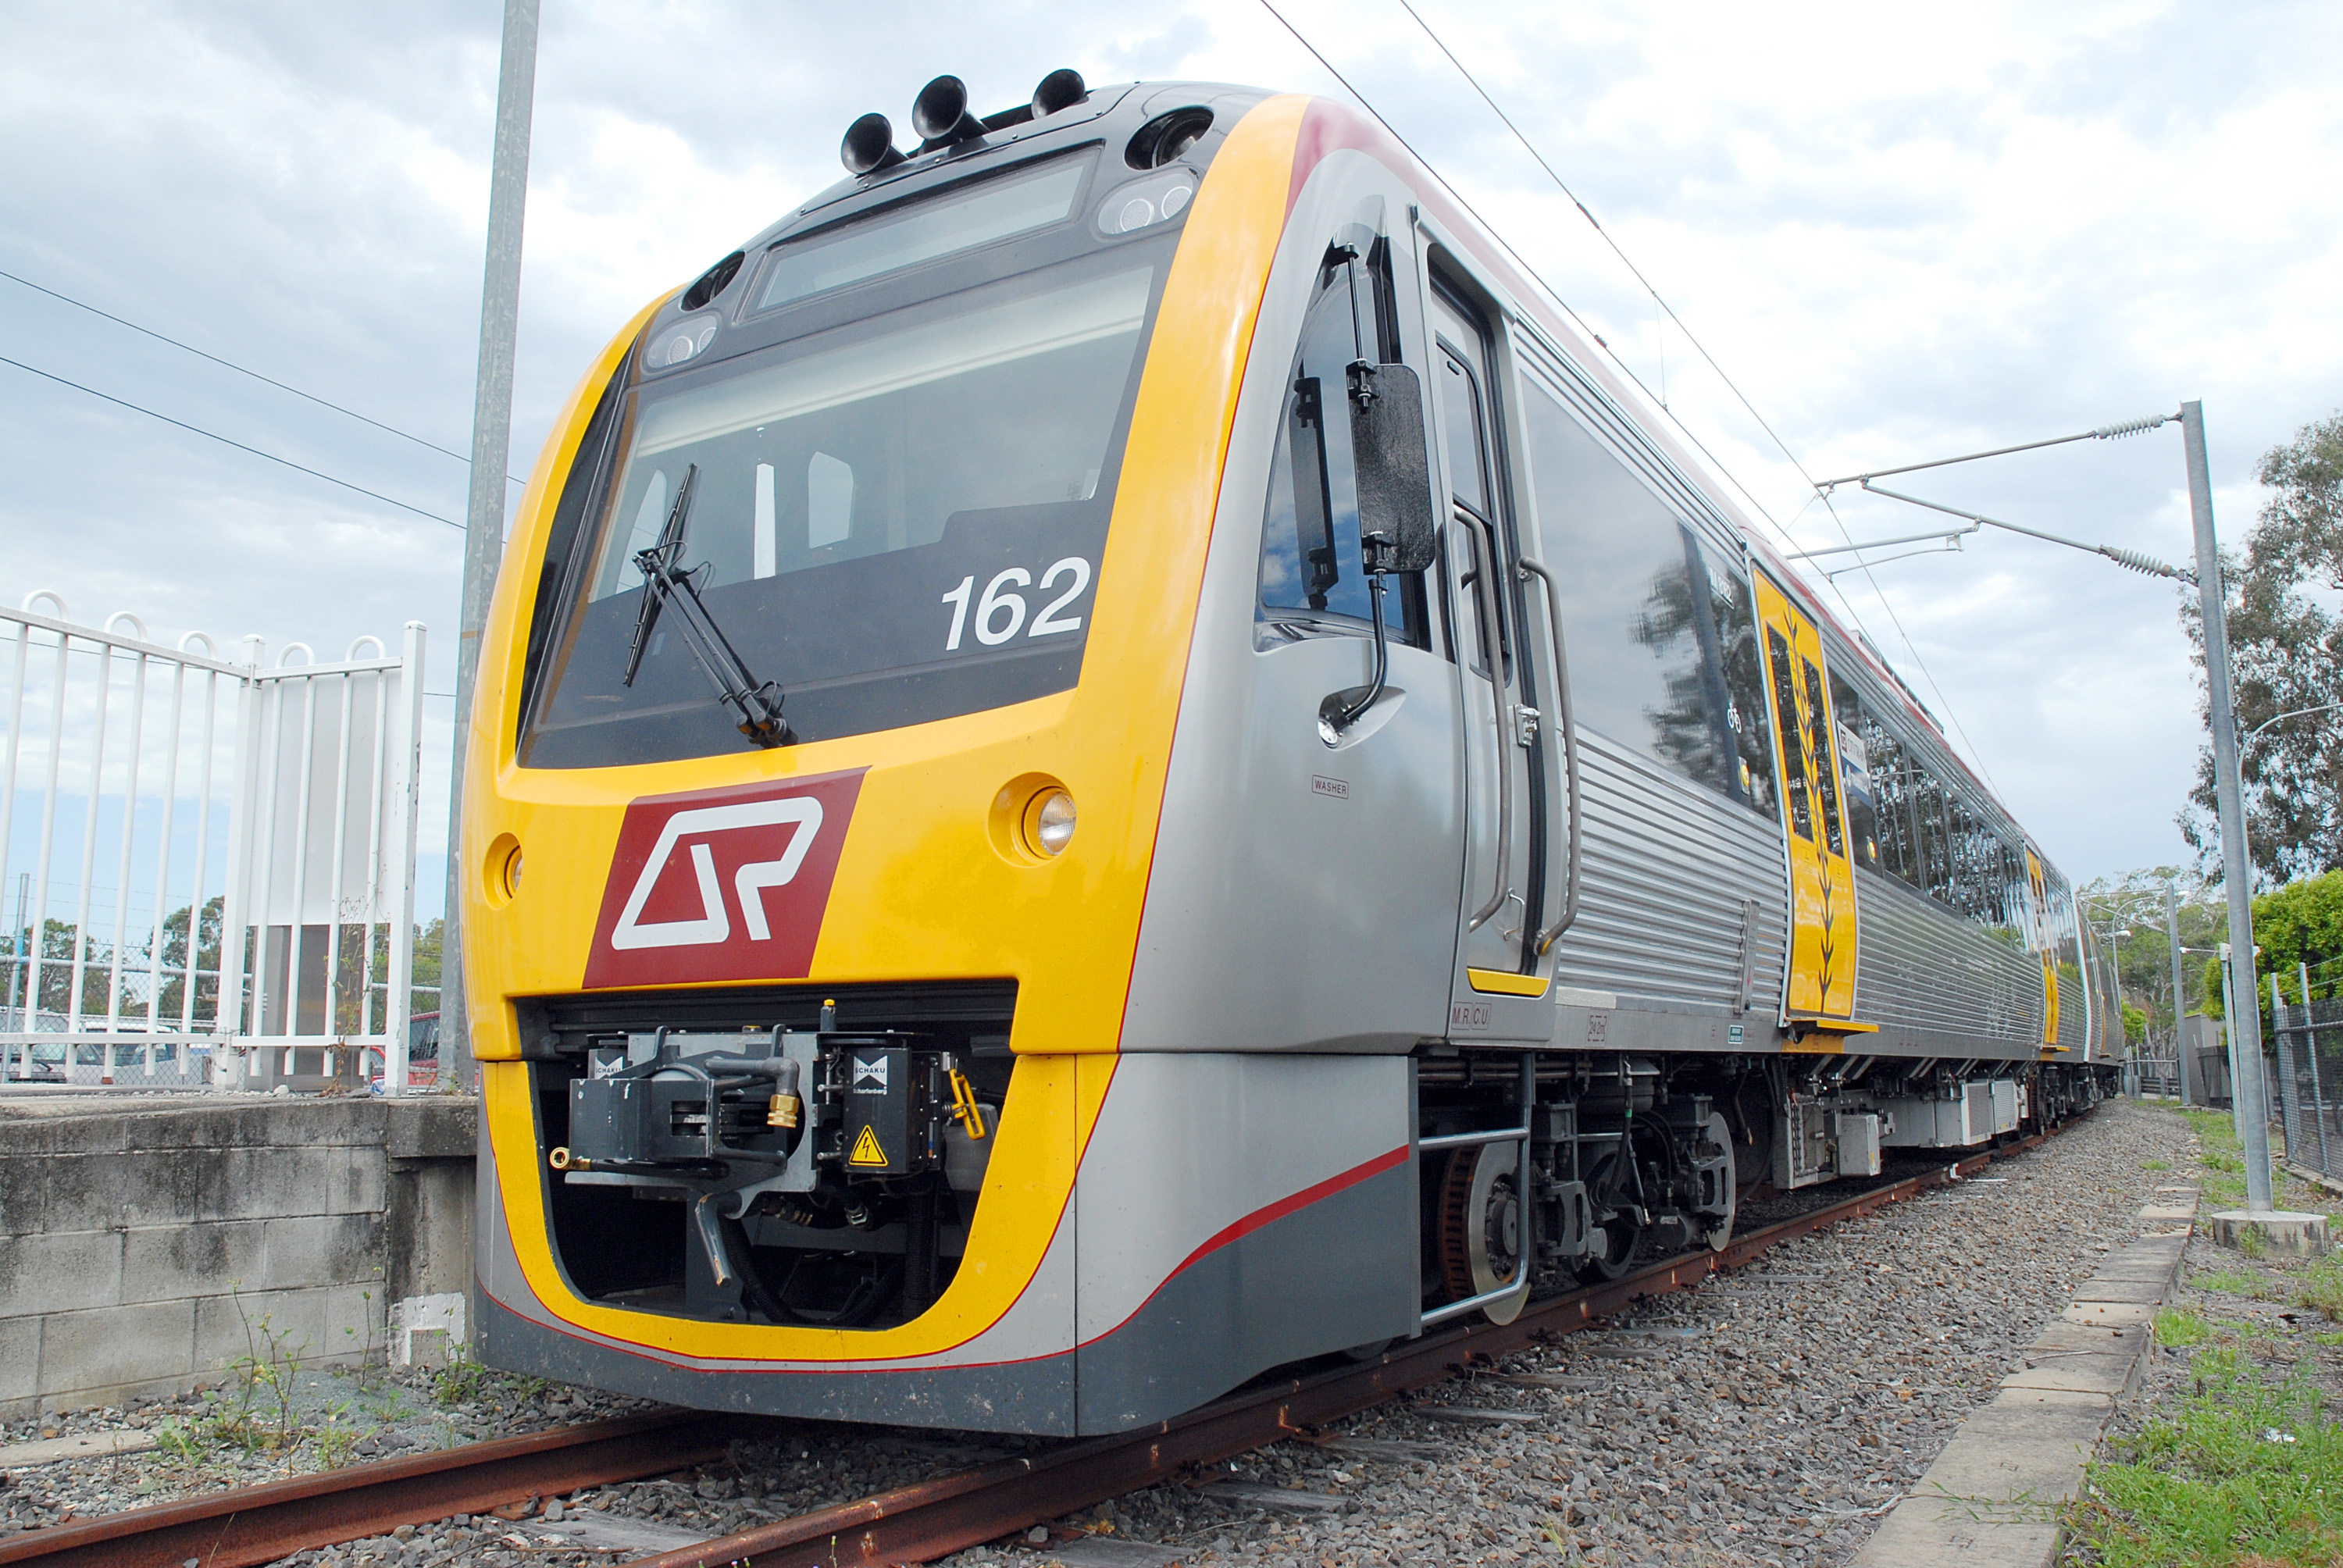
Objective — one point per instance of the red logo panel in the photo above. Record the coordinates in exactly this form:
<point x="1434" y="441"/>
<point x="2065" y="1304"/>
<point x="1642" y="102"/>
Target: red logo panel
<point x="722" y="884"/>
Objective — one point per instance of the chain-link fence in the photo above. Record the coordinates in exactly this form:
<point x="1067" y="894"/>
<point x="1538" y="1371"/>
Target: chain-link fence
<point x="2310" y="1083"/>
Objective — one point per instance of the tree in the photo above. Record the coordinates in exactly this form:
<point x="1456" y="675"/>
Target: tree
<point x="174" y="959"/>
<point x="2135" y="902"/>
<point x="2286" y="652"/>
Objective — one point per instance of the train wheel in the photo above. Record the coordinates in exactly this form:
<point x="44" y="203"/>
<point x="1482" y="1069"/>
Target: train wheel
<point x="1480" y="1236"/>
<point x="1720" y="1228"/>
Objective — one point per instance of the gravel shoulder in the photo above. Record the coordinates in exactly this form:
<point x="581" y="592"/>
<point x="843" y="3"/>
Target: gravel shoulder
<point x="1766" y="1418"/>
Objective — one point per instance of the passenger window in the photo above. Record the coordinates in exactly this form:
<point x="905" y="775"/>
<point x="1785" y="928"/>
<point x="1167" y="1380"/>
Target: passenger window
<point x="1460" y="413"/>
<point x="1750" y="778"/>
<point x="1855" y="775"/>
<point x="1891" y="799"/>
<point x="1818" y="752"/>
<point x="1312" y="579"/>
<point x="1928" y="811"/>
<point x="1658" y="639"/>
<point x="1793" y="745"/>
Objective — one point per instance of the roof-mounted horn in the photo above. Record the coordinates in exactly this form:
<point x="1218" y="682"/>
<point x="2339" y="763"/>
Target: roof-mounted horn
<point x="869" y="146"/>
<point x="941" y="112"/>
<point x="1061" y="89"/>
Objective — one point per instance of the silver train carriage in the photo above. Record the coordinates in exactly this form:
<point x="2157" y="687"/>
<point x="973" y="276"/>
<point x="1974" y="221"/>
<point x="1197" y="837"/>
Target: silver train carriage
<point x="1260" y="804"/>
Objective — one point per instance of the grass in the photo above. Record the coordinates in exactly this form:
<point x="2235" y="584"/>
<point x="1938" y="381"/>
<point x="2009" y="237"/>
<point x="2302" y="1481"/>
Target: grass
<point x="2322" y="1287"/>
<point x="2213" y="1128"/>
<point x="2228" y="1283"/>
<point x="2244" y="1472"/>
<point x="2156" y="1164"/>
<point x="2179" y="1326"/>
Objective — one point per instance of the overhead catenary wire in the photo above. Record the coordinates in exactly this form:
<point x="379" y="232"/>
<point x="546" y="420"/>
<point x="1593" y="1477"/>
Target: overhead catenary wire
<point x="245" y="370"/>
<point x="1758" y="506"/>
<point x="224" y="441"/>
<point x="1731" y="385"/>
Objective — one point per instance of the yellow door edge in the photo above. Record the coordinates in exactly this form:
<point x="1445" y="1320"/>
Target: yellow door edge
<point x="1502" y="983"/>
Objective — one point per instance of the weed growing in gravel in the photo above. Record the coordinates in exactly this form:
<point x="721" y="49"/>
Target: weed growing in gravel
<point x="2179" y="1326"/>
<point x="2322" y="1288"/>
<point x="2329" y="1337"/>
<point x="2156" y="1164"/>
<point x="263" y="1416"/>
<point x="2245" y="1470"/>
<point x="183" y="1440"/>
<point x="2221" y="1160"/>
<point x="2251" y="1243"/>
<point x="464" y="1380"/>
<point x="2228" y="1283"/>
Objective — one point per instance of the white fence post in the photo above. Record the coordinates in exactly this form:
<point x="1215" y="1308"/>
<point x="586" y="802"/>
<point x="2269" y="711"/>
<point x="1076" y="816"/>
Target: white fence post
<point x="277" y="827"/>
<point x="405" y="768"/>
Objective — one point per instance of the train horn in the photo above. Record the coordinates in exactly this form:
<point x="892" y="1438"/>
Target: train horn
<point x="870" y="145"/>
<point x="1061" y="89"/>
<point x="941" y="113"/>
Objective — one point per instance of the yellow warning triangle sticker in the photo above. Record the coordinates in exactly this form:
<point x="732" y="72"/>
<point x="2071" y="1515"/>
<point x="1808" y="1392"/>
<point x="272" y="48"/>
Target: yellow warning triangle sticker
<point x="866" y="1149"/>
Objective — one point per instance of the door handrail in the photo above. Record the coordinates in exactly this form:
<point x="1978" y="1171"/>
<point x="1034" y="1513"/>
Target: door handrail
<point x="1529" y="567"/>
<point x="1487" y="549"/>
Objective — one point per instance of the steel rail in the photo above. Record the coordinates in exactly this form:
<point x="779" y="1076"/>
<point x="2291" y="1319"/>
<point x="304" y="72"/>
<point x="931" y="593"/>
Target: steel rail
<point x="258" y="1524"/>
<point x="934" y="1519"/>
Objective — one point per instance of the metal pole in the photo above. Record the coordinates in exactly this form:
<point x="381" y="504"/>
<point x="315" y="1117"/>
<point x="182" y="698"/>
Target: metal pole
<point x="2245" y="1028"/>
<point x="484" y="518"/>
<point x="2289" y="1084"/>
<point x="2311" y="1049"/>
<point x="2229" y="1041"/>
<point x="2180" y="989"/>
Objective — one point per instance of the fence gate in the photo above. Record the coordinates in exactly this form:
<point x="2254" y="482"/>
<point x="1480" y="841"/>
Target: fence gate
<point x="207" y="863"/>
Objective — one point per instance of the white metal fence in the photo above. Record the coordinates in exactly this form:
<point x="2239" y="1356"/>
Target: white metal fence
<point x="207" y="863"/>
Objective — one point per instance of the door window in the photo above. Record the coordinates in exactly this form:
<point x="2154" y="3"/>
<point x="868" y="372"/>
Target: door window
<point x="1312" y="579"/>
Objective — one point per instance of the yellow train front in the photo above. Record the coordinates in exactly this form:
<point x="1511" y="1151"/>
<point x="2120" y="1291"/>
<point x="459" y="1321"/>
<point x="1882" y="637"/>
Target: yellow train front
<point x="1060" y="868"/>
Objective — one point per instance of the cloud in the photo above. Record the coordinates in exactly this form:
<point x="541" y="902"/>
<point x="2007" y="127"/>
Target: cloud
<point x="1903" y="233"/>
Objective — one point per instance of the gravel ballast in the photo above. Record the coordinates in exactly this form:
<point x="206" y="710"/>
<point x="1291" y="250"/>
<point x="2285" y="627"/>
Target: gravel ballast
<point x="1768" y="1417"/>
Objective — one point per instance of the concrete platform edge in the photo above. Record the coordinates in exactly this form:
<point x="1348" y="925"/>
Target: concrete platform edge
<point x="1992" y="1499"/>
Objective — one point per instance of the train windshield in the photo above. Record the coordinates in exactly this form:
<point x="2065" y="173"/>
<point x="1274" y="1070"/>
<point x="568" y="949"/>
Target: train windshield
<point x="896" y="520"/>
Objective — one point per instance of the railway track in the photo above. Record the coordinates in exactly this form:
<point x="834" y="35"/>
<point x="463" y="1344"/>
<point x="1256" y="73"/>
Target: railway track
<point x="909" y="1525"/>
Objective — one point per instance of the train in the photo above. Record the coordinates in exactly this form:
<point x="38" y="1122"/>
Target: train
<point x="1134" y="766"/>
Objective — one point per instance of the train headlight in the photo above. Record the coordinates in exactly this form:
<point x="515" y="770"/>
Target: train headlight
<point x="680" y="343"/>
<point x="501" y="874"/>
<point x="1052" y="821"/>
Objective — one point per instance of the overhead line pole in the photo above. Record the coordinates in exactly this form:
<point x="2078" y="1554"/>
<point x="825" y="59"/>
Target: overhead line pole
<point x="2236" y="873"/>
<point x="2245" y="1032"/>
<point x="484" y="518"/>
<point x="2179" y="995"/>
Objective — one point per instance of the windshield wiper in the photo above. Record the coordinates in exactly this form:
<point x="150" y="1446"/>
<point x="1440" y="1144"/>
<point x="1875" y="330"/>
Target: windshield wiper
<point x="758" y="702"/>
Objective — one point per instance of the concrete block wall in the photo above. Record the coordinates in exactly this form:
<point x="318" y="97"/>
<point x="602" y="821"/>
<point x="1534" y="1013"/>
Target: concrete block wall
<point x="145" y="1240"/>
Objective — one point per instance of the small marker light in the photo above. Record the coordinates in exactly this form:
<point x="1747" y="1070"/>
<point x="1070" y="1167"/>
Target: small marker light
<point x="1053" y="822"/>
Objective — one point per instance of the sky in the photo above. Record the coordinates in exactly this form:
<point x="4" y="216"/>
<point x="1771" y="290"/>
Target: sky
<point x="1900" y="233"/>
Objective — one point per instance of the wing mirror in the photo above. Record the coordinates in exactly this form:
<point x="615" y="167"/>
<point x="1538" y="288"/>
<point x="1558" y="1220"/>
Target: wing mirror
<point x="1397" y="530"/>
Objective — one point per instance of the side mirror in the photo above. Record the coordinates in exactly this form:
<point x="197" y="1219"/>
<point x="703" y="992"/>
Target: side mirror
<point x="1397" y="530"/>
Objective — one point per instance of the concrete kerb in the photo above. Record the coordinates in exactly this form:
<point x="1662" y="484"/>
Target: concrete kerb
<point x="1992" y="1499"/>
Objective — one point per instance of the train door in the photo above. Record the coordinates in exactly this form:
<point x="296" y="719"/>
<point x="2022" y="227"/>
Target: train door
<point x="1819" y="985"/>
<point x="2046" y="946"/>
<point x="1513" y="847"/>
